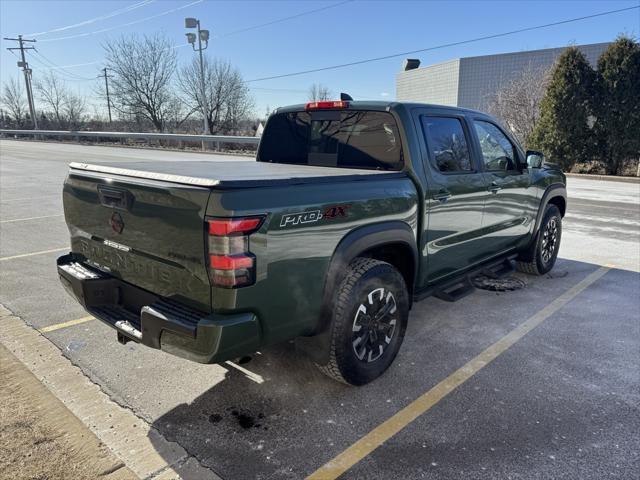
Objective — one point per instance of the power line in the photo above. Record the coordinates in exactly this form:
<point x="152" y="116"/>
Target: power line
<point x="446" y="45"/>
<point x="49" y="65"/>
<point x="308" y="12"/>
<point x="52" y="66"/>
<point x="119" y="11"/>
<point x="74" y="65"/>
<point x="44" y="66"/>
<point x="286" y="90"/>
<point x="97" y="62"/>
<point x="141" y="20"/>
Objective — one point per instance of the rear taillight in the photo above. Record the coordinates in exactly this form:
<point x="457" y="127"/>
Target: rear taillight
<point x="231" y="264"/>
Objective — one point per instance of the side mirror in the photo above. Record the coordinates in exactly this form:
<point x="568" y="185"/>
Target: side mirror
<point x="534" y="159"/>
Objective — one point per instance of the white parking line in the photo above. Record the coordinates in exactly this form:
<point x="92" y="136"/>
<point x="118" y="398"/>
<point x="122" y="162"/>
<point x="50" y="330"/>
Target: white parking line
<point x="3" y="259"/>
<point x="248" y="373"/>
<point x="24" y="199"/>
<point x="31" y="218"/>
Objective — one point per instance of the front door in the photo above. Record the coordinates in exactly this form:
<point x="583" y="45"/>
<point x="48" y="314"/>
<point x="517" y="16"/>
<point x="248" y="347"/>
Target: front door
<point x="455" y="197"/>
<point x="511" y="205"/>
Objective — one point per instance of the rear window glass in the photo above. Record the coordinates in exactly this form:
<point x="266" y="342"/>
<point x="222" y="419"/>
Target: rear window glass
<point x="448" y="144"/>
<point x="331" y="138"/>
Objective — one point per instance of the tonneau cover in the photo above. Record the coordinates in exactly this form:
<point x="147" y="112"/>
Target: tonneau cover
<point x="230" y="174"/>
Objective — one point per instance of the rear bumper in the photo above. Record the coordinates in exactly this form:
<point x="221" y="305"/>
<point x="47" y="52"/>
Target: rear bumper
<point x="156" y="322"/>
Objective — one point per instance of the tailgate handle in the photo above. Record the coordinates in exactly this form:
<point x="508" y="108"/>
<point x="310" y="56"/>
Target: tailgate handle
<point x="115" y="197"/>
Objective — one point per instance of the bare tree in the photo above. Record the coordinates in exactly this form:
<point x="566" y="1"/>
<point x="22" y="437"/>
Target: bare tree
<point x="14" y="100"/>
<point x="142" y="69"/>
<point x="239" y="104"/>
<point x="517" y="102"/>
<point x="227" y="97"/>
<point x="52" y="91"/>
<point x="178" y="114"/>
<point x="74" y="109"/>
<point x="319" y="93"/>
<point x="67" y="108"/>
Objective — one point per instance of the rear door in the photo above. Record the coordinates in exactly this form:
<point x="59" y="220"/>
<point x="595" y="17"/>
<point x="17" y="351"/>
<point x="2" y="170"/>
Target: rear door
<point x="146" y="232"/>
<point x="511" y="203"/>
<point x="455" y="196"/>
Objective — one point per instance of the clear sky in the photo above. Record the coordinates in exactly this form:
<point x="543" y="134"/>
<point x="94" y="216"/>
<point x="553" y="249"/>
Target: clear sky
<point x="346" y="32"/>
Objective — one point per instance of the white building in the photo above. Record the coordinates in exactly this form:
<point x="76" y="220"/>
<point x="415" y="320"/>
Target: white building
<point x="471" y="82"/>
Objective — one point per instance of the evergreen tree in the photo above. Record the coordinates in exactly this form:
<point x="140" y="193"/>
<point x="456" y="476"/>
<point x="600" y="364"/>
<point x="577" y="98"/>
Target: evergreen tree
<point x="618" y="106"/>
<point x="563" y="131"/>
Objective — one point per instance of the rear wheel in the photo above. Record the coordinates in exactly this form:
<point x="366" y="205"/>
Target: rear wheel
<point x="369" y="322"/>
<point x="541" y="255"/>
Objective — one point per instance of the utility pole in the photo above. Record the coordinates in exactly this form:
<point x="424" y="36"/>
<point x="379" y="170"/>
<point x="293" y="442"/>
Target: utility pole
<point x="191" y="38"/>
<point x="106" y="86"/>
<point x="27" y="75"/>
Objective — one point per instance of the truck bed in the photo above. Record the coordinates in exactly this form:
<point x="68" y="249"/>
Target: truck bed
<point x="230" y="174"/>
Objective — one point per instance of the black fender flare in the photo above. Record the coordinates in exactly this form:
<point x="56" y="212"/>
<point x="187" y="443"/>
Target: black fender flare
<point x="552" y="191"/>
<point x="353" y="244"/>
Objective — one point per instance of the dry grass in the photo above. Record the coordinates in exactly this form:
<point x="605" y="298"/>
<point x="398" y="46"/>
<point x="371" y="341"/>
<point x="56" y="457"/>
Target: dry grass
<point x="40" y="439"/>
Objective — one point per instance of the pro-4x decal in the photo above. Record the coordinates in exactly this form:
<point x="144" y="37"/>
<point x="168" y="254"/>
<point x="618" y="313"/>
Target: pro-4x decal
<point x="312" y="216"/>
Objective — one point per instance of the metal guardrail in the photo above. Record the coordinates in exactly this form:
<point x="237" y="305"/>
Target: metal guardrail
<point x="217" y="139"/>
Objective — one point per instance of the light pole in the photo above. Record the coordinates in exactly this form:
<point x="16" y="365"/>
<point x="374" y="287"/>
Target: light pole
<point x="203" y="35"/>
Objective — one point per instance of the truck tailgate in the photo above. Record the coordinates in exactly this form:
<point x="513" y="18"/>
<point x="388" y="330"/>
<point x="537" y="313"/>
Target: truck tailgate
<point x="146" y="232"/>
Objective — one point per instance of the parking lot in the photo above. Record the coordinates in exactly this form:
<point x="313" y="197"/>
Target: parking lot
<point x="560" y="399"/>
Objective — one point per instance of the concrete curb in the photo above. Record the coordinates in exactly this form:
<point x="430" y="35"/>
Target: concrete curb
<point x="74" y="445"/>
<point x="139" y="446"/>
<point x="610" y="178"/>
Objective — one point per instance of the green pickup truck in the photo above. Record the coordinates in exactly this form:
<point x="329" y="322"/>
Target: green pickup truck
<point x="350" y="212"/>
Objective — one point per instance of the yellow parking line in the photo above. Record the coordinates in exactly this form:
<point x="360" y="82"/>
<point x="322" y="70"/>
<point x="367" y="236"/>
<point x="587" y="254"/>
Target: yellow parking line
<point x="70" y="323"/>
<point x="30" y="218"/>
<point x="367" y="444"/>
<point x="3" y="259"/>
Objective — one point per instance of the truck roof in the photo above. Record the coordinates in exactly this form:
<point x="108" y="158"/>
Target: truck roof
<point x="378" y="105"/>
<point x="227" y="174"/>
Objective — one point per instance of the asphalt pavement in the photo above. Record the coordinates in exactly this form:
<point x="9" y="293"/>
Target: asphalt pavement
<point x="562" y="402"/>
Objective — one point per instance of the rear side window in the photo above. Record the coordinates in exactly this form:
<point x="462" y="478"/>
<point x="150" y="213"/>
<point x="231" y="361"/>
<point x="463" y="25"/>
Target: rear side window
<point x="331" y="138"/>
<point x="447" y="143"/>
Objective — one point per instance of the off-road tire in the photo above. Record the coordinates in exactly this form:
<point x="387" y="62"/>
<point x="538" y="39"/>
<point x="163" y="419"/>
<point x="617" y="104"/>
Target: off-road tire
<point x="365" y="276"/>
<point x="532" y="260"/>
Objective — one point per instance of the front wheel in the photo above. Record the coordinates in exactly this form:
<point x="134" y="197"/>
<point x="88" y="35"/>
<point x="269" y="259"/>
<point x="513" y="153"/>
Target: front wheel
<point x="541" y="256"/>
<point x="369" y="321"/>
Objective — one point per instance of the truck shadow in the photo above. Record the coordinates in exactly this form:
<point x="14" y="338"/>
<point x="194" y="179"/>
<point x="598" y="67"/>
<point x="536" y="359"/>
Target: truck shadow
<point x="277" y="416"/>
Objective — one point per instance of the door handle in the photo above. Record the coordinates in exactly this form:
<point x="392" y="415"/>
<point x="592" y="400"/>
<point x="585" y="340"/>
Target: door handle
<point x="494" y="187"/>
<point x="442" y="196"/>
